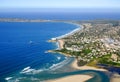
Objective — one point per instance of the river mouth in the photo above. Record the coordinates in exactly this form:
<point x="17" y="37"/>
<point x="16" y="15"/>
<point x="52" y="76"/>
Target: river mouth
<point x="27" y="45"/>
<point x="59" y="71"/>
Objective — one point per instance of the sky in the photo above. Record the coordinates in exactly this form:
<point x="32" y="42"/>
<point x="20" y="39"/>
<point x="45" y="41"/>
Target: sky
<point x="15" y="4"/>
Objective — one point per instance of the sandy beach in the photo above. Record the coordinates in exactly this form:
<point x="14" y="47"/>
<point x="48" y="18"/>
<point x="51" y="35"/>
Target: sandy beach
<point x="81" y="77"/>
<point x="74" y="65"/>
<point x="60" y="43"/>
<point x="74" y="78"/>
<point x="77" y="78"/>
<point x="115" y="77"/>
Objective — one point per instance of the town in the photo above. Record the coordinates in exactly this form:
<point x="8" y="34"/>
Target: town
<point x="95" y="43"/>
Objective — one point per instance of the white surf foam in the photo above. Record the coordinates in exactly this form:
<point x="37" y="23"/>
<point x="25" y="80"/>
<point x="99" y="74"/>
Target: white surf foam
<point x="59" y="65"/>
<point x="70" y="33"/>
<point x="58" y="46"/>
<point x="29" y="70"/>
<point x="58" y="58"/>
<point x="26" y="68"/>
<point x="8" y="78"/>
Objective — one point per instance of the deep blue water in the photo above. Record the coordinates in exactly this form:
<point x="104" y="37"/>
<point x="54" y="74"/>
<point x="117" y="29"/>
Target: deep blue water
<point x="23" y="46"/>
<point x="62" y="16"/>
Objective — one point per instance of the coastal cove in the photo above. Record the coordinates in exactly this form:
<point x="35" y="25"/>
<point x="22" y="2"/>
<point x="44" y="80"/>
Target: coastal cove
<point x="60" y="41"/>
<point x="54" y="63"/>
<point x="114" y="77"/>
<point x="77" y="77"/>
<point x="25" y="43"/>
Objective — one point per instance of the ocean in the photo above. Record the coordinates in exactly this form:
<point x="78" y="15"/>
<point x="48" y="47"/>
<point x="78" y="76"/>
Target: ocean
<point x="23" y="47"/>
<point x="62" y="15"/>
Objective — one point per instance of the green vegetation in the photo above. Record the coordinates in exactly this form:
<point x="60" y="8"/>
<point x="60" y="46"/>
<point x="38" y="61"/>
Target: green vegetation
<point x="97" y="43"/>
<point x="107" y="60"/>
<point x="86" y="51"/>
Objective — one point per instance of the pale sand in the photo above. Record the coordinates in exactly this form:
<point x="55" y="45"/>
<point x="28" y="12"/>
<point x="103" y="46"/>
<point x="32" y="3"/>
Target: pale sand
<point x="61" y="43"/>
<point x="77" y="78"/>
<point x="74" y="65"/>
<point x="74" y="78"/>
<point x="115" y="78"/>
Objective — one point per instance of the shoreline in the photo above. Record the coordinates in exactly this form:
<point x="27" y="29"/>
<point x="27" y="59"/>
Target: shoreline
<point x="72" y="78"/>
<point x="74" y="63"/>
<point x="78" y="27"/>
<point x="60" y="44"/>
<point x="115" y="78"/>
<point x="80" y="77"/>
<point x="77" y="77"/>
<point x="85" y="67"/>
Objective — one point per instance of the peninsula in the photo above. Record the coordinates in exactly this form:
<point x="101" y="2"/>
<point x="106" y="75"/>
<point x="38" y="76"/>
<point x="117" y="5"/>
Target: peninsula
<point x="96" y="43"/>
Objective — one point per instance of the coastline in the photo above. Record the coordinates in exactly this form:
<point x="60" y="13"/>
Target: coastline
<point x="78" y="77"/>
<point x="71" y="78"/>
<point x="60" y="44"/>
<point x="78" y="27"/>
<point x="82" y="78"/>
<point x="115" y="77"/>
<point x="74" y="65"/>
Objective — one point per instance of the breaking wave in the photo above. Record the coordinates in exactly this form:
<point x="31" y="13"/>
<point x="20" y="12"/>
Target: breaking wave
<point x="29" y="70"/>
<point x="61" y="64"/>
<point x="58" y="58"/>
<point x="8" y="78"/>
